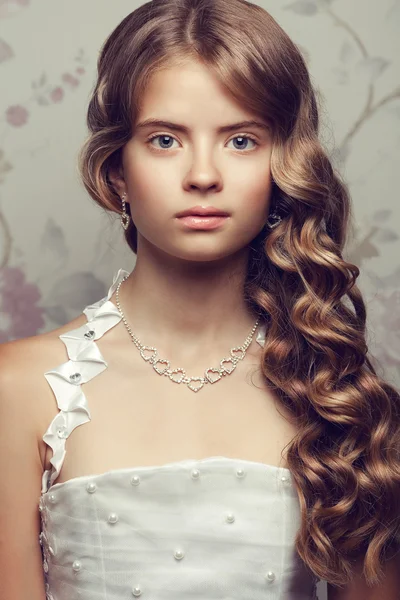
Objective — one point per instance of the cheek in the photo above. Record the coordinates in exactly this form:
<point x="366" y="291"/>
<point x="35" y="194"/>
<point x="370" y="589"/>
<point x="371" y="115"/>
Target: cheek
<point x="254" y="195"/>
<point x="150" y="186"/>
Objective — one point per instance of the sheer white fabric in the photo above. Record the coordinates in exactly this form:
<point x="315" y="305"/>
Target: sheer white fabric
<point x="211" y="529"/>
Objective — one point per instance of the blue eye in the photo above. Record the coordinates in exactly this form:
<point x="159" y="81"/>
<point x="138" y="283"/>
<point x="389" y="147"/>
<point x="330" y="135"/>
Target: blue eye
<point x="243" y="137"/>
<point x="163" y="137"/>
<point x="170" y="138"/>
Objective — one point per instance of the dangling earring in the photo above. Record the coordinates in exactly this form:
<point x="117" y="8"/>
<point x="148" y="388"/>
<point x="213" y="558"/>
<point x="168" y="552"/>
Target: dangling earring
<point x="276" y="219"/>
<point x="125" y="218"/>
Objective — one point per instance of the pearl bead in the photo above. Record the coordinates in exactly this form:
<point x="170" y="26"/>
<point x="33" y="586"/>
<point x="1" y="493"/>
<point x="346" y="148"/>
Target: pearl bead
<point x="45" y="566"/>
<point x="51" y="551"/>
<point x="195" y="474"/>
<point x="179" y="554"/>
<point x="52" y="498"/>
<point x="135" y="480"/>
<point x="91" y="487"/>
<point x="136" y="591"/>
<point x="230" y="518"/>
<point x="270" y="576"/>
<point x="112" y="518"/>
<point x="76" y="565"/>
<point x="240" y="473"/>
<point x="285" y="479"/>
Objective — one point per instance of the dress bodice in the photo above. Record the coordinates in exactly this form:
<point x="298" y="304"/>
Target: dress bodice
<point x="212" y="529"/>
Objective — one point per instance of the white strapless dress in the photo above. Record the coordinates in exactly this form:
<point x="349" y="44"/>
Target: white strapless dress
<point x="212" y="529"/>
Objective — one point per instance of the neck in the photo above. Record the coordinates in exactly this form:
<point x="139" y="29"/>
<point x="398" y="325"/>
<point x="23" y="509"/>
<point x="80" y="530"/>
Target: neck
<point x="188" y="310"/>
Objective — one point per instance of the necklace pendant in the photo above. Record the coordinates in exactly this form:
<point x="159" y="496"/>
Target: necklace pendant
<point x="174" y="372"/>
<point x="144" y="353"/>
<point x="210" y="377"/>
<point x="227" y="361"/>
<point x="195" y="388"/>
<point x="238" y="353"/>
<point x="161" y="361"/>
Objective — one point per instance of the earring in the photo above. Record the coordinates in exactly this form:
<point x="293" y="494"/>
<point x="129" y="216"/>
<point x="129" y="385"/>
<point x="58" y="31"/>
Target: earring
<point x="276" y="220"/>
<point x="125" y="218"/>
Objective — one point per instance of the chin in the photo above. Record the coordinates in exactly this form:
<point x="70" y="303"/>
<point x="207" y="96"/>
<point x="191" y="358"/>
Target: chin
<point x="206" y="255"/>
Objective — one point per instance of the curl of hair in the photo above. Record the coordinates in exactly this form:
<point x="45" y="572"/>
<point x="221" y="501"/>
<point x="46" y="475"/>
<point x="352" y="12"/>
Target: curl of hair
<point x="345" y="456"/>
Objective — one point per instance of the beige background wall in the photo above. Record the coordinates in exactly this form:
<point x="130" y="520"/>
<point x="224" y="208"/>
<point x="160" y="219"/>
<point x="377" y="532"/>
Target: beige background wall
<point x="58" y="252"/>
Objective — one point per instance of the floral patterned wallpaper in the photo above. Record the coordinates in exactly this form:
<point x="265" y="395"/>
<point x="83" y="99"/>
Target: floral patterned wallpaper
<point x="58" y="251"/>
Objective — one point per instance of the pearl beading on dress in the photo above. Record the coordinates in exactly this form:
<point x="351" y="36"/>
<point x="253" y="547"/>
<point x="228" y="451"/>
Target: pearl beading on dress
<point x="91" y="488"/>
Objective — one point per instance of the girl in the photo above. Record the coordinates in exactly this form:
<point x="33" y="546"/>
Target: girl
<point x="243" y="446"/>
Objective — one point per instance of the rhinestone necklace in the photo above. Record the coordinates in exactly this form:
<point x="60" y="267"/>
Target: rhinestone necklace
<point x="162" y="366"/>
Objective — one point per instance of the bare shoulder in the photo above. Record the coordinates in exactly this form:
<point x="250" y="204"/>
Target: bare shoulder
<point x="24" y="389"/>
<point x="27" y="405"/>
<point x="24" y="358"/>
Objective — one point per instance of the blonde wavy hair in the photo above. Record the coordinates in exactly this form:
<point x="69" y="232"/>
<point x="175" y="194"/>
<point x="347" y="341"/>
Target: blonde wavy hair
<point x="345" y="457"/>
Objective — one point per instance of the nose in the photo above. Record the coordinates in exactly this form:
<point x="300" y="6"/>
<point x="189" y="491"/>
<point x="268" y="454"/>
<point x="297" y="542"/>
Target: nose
<point x="203" y="174"/>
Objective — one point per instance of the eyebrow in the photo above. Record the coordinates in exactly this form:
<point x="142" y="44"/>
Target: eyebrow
<point x="183" y="129"/>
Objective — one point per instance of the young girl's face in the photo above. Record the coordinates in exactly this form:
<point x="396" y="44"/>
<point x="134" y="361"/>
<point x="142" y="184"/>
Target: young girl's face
<point x="167" y="170"/>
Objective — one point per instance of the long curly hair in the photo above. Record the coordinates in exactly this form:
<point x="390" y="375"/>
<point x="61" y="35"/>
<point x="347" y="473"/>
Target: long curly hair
<point x="345" y="456"/>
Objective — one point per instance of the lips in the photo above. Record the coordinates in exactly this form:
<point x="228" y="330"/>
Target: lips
<point x="203" y="211"/>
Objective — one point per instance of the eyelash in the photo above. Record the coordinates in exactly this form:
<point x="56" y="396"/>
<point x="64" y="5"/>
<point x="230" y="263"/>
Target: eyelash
<point x="156" y="135"/>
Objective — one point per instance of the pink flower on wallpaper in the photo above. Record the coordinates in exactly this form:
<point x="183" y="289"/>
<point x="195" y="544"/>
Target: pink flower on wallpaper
<point x="57" y="94"/>
<point x="70" y="79"/>
<point x="17" y="115"/>
<point x="20" y="316"/>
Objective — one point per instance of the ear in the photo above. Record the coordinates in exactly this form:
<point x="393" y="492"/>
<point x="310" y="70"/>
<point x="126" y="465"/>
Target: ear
<point x="116" y="178"/>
